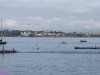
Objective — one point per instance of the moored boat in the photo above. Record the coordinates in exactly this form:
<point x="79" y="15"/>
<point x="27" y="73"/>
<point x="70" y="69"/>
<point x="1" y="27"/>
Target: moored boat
<point x="83" y="41"/>
<point x="1" y="42"/>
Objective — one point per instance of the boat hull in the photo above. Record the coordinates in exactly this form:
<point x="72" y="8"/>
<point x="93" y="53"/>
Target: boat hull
<point x="83" y="41"/>
<point x="8" y="51"/>
<point x="86" y="47"/>
<point x="2" y="42"/>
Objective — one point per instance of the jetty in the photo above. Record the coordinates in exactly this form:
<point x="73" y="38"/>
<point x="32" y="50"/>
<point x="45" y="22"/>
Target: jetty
<point x="7" y="51"/>
<point x="87" y="47"/>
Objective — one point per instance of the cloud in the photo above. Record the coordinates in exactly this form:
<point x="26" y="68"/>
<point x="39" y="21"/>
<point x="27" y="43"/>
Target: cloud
<point x="80" y="10"/>
<point x="14" y="25"/>
<point x="63" y="6"/>
<point x="65" y="24"/>
<point x="94" y="5"/>
<point x="35" y="18"/>
<point x="3" y="1"/>
<point x="10" y="23"/>
<point x="62" y="15"/>
<point x="67" y="6"/>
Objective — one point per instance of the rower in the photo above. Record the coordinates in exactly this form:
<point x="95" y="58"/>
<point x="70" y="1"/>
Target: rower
<point x="3" y="49"/>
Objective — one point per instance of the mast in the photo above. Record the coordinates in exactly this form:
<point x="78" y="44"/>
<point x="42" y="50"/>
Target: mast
<point x="1" y="42"/>
<point x="1" y="28"/>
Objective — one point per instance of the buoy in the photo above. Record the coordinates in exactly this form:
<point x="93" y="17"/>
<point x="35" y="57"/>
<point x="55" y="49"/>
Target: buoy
<point x="36" y="44"/>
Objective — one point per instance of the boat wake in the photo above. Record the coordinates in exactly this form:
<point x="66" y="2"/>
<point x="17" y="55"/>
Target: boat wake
<point x="63" y="52"/>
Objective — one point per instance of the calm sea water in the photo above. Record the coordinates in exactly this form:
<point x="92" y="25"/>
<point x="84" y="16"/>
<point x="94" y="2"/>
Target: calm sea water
<point x="51" y="58"/>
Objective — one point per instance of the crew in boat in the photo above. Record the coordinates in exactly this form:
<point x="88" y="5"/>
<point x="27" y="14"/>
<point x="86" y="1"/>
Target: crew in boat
<point x="13" y="49"/>
<point x="3" y="49"/>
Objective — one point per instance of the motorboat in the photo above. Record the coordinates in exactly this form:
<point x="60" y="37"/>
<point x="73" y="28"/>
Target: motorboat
<point x="1" y="42"/>
<point x="63" y="42"/>
<point x="83" y="41"/>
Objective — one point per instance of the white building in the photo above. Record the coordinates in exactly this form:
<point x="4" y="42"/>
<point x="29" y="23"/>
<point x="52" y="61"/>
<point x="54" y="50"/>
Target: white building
<point x="24" y="33"/>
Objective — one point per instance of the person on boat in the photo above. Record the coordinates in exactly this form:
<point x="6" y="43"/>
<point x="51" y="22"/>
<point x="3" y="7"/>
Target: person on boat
<point x="13" y="49"/>
<point x="9" y="51"/>
<point x="3" y="49"/>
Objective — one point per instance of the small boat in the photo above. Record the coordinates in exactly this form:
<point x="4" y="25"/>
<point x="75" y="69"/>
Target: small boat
<point x="83" y="41"/>
<point x="7" y="51"/>
<point x="2" y="42"/>
<point x="87" y="47"/>
<point x="63" y="42"/>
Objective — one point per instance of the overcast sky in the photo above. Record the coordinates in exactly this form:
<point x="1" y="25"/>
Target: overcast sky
<point x="51" y="15"/>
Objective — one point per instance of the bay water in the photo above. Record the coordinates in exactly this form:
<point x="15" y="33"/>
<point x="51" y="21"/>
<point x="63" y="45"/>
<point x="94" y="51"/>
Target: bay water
<point x="46" y="56"/>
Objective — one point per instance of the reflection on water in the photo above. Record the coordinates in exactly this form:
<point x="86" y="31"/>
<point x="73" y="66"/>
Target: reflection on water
<point x="50" y="58"/>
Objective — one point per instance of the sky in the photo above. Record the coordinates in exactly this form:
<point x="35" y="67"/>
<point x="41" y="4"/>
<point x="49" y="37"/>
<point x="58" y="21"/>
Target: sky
<point x="51" y="15"/>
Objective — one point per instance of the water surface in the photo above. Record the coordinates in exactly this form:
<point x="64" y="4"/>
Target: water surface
<point x="51" y="58"/>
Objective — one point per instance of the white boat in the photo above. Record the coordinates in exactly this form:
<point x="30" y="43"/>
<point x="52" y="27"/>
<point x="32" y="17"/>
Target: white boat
<point x="63" y="42"/>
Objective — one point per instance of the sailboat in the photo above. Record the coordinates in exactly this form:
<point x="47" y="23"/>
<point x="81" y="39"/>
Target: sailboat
<point x="1" y="42"/>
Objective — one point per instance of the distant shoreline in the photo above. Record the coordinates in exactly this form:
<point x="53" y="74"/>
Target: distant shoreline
<point x="60" y="37"/>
